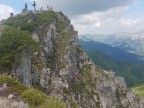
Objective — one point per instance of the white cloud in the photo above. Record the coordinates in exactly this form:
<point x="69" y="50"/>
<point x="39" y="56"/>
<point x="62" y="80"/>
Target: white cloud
<point x="128" y="22"/>
<point x="5" y="11"/>
<point x="106" y="22"/>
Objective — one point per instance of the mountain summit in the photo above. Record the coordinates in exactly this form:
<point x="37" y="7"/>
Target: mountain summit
<point x="41" y="51"/>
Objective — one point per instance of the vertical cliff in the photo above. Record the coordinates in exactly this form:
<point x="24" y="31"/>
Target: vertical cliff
<point x="60" y="68"/>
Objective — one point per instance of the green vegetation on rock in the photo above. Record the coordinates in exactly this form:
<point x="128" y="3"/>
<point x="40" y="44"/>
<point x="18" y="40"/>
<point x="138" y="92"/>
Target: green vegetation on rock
<point x="13" y="43"/>
<point x="73" y="104"/>
<point x="31" y="21"/>
<point x="62" y="22"/>
<point x="13" y="84"/>
<point x="60" y="46"/>
<point x="79" y="50"/>
<point x="87" y="75"/>
<point x="45" y="17"/>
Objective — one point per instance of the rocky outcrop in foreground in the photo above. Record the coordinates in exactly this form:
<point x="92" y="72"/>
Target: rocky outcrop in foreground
<point x="60" y="67"/>
<point x="9" y="99"/>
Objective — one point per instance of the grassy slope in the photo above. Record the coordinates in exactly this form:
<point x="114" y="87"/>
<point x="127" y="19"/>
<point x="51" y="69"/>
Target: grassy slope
<point x="139" y="90"/>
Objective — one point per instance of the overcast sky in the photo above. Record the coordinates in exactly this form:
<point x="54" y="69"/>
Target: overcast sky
<point x="89" y="16"/>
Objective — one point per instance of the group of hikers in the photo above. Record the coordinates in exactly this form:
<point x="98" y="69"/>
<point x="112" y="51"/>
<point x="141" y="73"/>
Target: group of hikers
<point x="26" y="7"/>
<point x="34" y="5"/>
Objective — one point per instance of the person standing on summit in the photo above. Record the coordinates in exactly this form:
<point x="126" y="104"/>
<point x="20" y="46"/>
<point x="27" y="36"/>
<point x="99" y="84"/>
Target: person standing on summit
<point x="26" y="7"/>
<point x="34" y="5"/>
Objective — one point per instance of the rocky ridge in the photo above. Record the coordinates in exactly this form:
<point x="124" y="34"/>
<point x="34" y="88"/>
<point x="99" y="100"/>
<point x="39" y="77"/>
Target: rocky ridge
<point x="61" y="68"/>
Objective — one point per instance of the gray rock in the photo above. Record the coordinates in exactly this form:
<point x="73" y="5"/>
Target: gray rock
<point x="9" y="103"/>
<point x="23" y="70"/>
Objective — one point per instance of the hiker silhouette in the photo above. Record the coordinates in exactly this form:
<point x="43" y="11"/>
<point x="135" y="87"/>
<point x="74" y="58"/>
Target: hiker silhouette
<point x="34" y="5"/>
<point x="25" y="7"/>
<point x="11" y="15"/>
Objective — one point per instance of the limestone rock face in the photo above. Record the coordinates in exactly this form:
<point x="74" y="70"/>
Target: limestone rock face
<point x="62" y="69"/>
<point x="23" y="70"/>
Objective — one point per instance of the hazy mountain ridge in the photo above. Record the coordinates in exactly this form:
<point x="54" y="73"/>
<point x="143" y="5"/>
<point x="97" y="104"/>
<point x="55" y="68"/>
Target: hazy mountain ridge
<point x="129" y="42"/>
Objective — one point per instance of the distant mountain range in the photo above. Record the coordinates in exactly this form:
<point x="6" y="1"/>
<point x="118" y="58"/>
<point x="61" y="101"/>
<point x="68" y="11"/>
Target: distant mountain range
<point x="112" y="52"/>
<point x="128" y="42"/>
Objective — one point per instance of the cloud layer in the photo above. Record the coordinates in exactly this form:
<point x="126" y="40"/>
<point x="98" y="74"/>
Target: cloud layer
<point x="107" y="22"/>
<point x="79" y="7"/>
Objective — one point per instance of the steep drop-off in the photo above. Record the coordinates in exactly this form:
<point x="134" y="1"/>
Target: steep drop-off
<point x="43" y="53"/>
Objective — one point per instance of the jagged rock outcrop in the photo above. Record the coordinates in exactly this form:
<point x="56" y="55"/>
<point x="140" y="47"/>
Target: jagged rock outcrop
<point x="110" y="91"/>
<point x="62" y="69"/>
